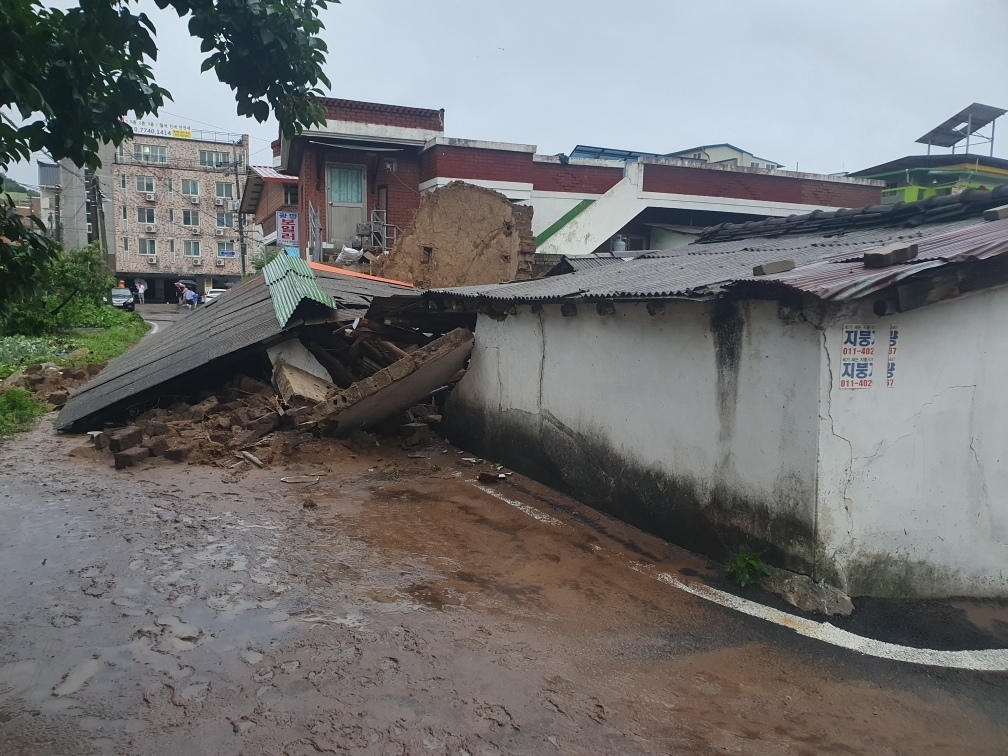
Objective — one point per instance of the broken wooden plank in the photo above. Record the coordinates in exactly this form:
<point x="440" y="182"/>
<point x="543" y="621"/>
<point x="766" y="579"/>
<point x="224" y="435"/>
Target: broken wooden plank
<point x="398" y="387"/>
<point x="299" y="388"/>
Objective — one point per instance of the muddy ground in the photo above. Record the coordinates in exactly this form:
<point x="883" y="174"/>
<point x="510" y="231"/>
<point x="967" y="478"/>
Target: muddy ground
<point x="395" y="607"/>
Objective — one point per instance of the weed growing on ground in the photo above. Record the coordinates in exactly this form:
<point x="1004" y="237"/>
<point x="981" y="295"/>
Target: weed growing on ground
<point x="18" y="411"/>
<point x="745" y="565"/>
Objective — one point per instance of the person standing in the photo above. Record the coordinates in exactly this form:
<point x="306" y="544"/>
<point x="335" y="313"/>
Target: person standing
<point x="141" y="288"/>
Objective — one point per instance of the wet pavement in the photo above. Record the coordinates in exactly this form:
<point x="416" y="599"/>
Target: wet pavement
<point x="396" y="607"/>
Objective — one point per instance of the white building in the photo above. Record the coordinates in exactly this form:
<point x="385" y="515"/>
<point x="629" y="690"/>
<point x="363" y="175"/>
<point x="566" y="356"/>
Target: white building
<point x="848" y="420"/>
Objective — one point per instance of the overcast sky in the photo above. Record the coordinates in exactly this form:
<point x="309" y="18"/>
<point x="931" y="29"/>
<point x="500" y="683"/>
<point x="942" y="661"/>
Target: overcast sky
<point x="824" y="86"/>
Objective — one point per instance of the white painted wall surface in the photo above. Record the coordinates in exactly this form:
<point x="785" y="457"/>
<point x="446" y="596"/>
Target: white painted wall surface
<point x="913" y="488"/>
<point x="549" y="207"/>
<point x="649" y="385"/>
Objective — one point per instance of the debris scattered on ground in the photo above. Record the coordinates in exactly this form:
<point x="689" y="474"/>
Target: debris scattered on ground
<point x="50" y="383"/>
<point x="804" y="593"/>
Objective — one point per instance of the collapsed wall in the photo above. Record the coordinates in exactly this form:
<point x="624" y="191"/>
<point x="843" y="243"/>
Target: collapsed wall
<point x="463" y="235"/>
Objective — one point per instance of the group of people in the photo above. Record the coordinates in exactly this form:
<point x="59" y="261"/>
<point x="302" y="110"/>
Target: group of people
<point x="187" y="296"/>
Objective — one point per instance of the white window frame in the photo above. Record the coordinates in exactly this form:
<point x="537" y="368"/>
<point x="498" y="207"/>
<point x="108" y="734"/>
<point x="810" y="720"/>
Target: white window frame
<point x="188" y="214"/>
<point x="153" y="183"/>
<point x="191" y="183"/>
<point x="188" y="244"/>
<point x="222" y="246"/>
<point x="148" y="212"/>
<point x="147" y="246"/>
<point x="222" y="184"/>
<point x="140" y="157"/>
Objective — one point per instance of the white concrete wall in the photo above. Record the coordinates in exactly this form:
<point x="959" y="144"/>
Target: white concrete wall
<point x="913" y="486"/>
<point x="653" y="391"/>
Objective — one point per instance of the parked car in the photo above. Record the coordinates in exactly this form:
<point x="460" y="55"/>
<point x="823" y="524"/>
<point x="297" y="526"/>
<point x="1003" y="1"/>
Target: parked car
<point x="212" y="294"/>
<point x="123" y="299"/>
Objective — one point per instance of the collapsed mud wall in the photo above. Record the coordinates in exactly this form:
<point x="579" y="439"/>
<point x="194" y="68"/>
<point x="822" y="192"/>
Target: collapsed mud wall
<point x="463" y="235"/>
<point x="697" y="425"/>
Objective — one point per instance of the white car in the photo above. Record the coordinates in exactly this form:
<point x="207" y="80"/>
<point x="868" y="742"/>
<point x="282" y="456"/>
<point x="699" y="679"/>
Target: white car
<point x="212" y="294"/>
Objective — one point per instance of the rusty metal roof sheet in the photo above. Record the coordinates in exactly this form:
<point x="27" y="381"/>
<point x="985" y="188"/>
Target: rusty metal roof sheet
<point x="233" y="322"/>
<point x="843" y="277"/>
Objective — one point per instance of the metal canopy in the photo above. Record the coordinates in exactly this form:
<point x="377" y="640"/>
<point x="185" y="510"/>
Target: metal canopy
<point x="962" y="126"/>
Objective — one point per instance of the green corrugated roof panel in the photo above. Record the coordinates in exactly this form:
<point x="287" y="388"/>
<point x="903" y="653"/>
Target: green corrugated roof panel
<point x="290" y="283"/>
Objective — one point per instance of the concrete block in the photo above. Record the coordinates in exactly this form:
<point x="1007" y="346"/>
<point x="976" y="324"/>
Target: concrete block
<point x="996" y="213"/>
<point x="892" y="254"/>
<point x="771" y="268"/>
<point x="178" y="453"/>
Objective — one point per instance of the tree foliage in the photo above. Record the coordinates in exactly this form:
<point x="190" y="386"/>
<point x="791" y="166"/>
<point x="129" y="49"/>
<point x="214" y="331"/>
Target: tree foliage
<point x="73" y="76"/>
<point x="70" y="291"/>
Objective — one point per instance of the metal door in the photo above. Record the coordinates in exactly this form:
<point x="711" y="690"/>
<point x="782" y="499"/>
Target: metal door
<point x="345" y="192"/>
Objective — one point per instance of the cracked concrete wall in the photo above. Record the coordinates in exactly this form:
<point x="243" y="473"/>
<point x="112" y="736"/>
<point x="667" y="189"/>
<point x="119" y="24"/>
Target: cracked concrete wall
<point x="698" y="425"/>
<point x="913" y="482"/>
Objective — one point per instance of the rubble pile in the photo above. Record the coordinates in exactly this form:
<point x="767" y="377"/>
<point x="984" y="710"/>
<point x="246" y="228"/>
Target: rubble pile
<point x="51" y="383"/>
<point x="249" y="421"/>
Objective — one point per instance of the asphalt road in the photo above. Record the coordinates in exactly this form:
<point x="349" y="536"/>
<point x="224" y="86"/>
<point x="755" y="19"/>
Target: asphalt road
<point x="394" y="608"/>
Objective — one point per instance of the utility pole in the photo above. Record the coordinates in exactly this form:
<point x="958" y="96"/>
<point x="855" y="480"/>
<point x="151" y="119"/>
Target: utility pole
<point x="241" y="223"/>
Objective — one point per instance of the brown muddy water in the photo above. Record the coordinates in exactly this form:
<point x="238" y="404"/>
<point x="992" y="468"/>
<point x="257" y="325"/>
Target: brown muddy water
<point x="396" y="608"/>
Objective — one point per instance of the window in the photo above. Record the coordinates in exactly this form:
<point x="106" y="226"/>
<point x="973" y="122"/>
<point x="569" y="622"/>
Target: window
<point x="225" y="189"/>
<point x="146" y="246"/>
<point x="122" y="150"/>
<point x="150" y="153"/>
<point x="190" y="187"/>
<point x="290" y="194"/>
<point x="125" y="244"/>
<point x="214" y="159"/>
<point x="190" y="217"/>
<point x="426" y="254"/>
<point x="122" y="181"/>
<point x="190" y="249"/>
<point x="145" y="183"/>
<point x="171" y="249"/>
<point x="225" y="249"/>
<point x="346" y="185"/>
<point x="171" y="187"/>
<point x="171" y="215"/>
<point x="145" y="215"/>
<point x="225" y="220"/>
<point x="124" y="212"/>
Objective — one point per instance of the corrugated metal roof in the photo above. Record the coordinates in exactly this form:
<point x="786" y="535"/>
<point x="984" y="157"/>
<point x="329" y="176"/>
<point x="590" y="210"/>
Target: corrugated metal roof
<point x="695" y="268"/>
<point x="234" y="321"/>
<point x="291" y="283"/>
<point x="266" y="173"/>
<point x="842" y="278"/>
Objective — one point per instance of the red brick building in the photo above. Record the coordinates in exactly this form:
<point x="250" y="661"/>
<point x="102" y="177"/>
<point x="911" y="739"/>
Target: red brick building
<point x="370" y="163"/>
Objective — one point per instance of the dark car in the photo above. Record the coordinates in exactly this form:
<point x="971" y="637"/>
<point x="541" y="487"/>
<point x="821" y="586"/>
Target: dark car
<point x="123" y="299"/>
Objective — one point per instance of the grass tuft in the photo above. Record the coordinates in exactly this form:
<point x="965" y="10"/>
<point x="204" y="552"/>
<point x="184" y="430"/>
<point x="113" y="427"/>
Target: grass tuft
<point x="18" y="411"/>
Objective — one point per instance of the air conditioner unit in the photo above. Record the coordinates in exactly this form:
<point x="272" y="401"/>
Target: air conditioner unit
<point x="220" y="263"/>
<point x="197" y="261"/>
<point x="150" y="229"/>
<point x="152" y="259"/>
<point x="195" y="230"/>
<point x="150" y="197"/>
<point x="219" y="202"/>
<point x="232" y="206"/>
<point x="194" y="199"/>
<point x="220" y="232"/>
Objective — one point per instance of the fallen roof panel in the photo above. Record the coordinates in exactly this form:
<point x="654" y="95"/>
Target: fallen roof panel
<point x="234" y="321"/>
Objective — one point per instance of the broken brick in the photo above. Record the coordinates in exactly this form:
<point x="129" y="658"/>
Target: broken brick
<point x="131" y="456"/>
<point x="158" y="446"/>
<point x="178" y="453"/>
<point x="58" y="398"/>
<point x="125" y="438"/>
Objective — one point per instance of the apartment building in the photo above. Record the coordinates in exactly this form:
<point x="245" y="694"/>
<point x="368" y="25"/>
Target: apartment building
<point x="175" y="208"/>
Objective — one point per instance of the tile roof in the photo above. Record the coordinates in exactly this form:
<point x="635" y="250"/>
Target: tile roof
<point x="940" y="209"/>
